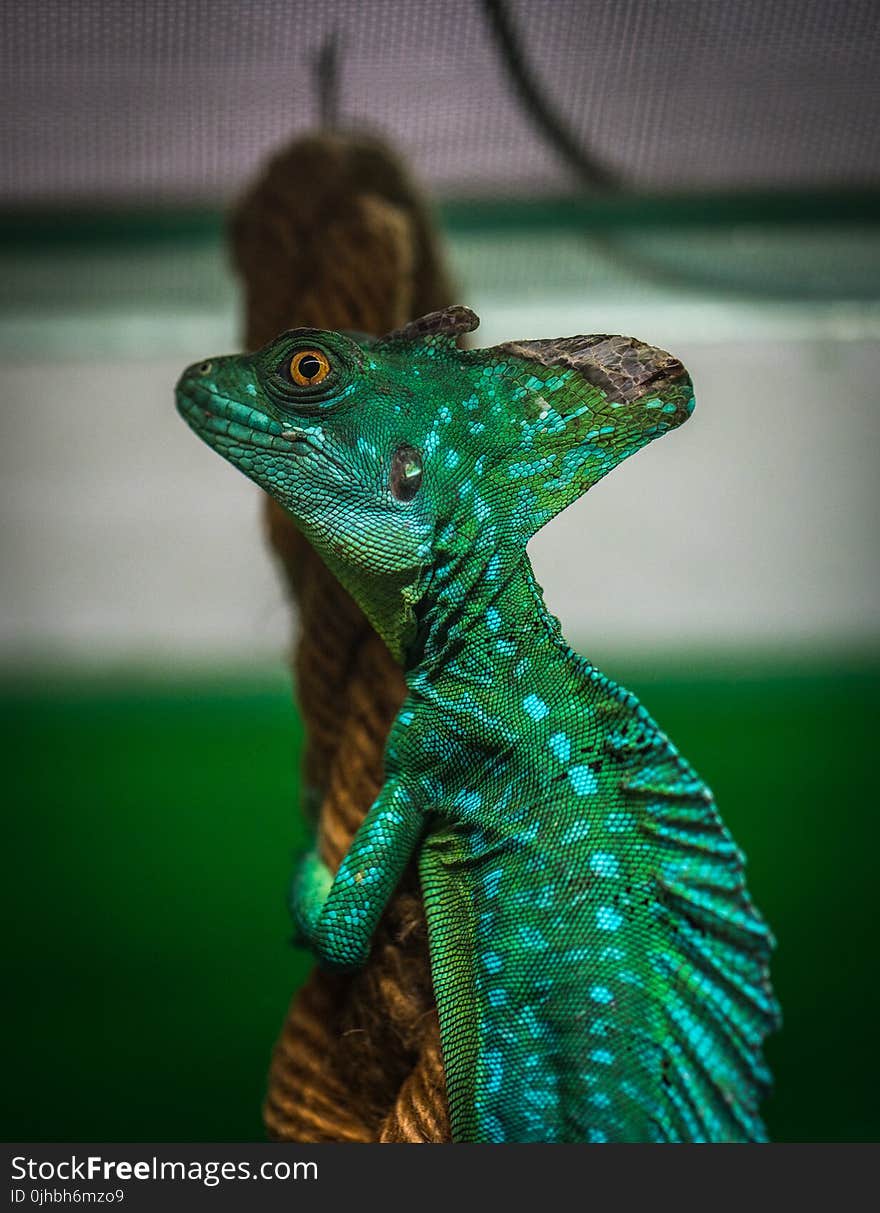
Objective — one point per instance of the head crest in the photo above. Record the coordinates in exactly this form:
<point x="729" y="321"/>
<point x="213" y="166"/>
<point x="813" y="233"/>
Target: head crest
<point x="622" y="369"/>
<point x="451" y="322"/>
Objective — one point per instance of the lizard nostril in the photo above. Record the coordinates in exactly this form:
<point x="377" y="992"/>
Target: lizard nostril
<point x="204" y="368"/>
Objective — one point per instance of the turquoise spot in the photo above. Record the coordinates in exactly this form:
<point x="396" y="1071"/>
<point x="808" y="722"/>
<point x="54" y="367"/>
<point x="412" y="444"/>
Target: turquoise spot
<point x="604" y="864"/>
<point x="532" y="938"/>
<point x="536" y="1028"/>
<point x="582" y="780"/>
<point x="602" y="1056"/>
<point x="610" y="953"/>
<point x="552" y="422"/>
<point x="492" y="962"/>
<point x="544" y="898"/>
<point x="529" y="834"/>
<point x="493" y="619"/>
<point x="608" y="919"/>
<point x="251" y="390"/>
<point x="535" y="707"/>
<point x="560" y="744"/>
<point x="491" y="882"/>
<point x="518" y="470"/>
<point x="452" y="459"/>
<point x="601" y="994"/>
<point x="494" y="1071"/>
<point x="493" y="1129"/>
<point x="577" y="830"/>
<point x="507" y="647"/>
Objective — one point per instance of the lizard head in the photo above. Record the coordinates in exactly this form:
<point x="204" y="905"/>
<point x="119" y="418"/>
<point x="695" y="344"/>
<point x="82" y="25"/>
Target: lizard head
<point x="403" y="455"/>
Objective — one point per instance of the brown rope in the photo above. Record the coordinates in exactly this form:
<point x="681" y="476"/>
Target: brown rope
<point x="334" y="235"/>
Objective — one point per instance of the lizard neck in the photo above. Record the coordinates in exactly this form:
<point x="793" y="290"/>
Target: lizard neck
<point x="480" y="615"/>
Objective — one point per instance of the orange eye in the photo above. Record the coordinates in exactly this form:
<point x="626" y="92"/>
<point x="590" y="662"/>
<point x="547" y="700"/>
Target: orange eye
<point x="308" y="367"/>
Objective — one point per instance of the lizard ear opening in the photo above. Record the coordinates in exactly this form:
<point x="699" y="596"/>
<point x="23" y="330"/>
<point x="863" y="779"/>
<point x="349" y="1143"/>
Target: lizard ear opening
<point x="448" y="324"/>
<point x="582" y="405"/>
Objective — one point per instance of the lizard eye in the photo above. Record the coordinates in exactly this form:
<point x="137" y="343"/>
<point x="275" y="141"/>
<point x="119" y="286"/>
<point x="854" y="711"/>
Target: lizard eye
<point x="406" y="473"/>
<point x="309" y="367"/>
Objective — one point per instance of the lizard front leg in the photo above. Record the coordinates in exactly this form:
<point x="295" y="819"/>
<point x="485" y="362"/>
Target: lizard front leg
<point x="336" y="916"/>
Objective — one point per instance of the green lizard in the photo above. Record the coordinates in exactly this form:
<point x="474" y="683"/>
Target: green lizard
<point x="600" y="972"/>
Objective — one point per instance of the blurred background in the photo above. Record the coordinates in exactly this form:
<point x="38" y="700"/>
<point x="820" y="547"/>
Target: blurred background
<point x="703" y="175"/>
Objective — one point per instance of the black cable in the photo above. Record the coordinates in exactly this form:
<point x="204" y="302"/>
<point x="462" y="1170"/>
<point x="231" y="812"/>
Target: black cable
<point x="539" y="109"/>
<point x="593" y="173"/>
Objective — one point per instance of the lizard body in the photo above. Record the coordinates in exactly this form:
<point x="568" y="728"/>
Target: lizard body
<point x="600" y="972"/>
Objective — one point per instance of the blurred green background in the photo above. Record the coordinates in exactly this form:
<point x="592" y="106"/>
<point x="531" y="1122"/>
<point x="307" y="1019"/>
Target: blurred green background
<point x="150" y="840"/>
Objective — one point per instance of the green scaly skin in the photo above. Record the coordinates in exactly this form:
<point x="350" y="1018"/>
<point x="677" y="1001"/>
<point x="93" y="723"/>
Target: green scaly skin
<point x="600" y="972"/>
